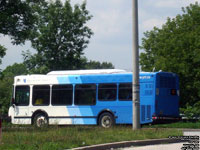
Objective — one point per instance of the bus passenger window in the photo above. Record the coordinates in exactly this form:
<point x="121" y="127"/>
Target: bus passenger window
<point x="125" y="92"/>
<point x="62" y="94"/>
<point x="41" y="95"/>
<point x="85" y="94"/>
<point x="107" y="92"/>
<point x="22" y="94"/>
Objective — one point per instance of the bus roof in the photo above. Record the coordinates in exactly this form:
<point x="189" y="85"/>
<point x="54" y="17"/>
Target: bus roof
<point x="61" y="77"/>
<point x="87" y="72"/>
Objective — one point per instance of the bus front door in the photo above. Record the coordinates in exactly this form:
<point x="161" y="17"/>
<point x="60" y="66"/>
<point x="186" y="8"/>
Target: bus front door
<point x="21" y="105"/>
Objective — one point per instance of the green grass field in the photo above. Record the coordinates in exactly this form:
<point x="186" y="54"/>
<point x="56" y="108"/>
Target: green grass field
<point x="58" y="138"/>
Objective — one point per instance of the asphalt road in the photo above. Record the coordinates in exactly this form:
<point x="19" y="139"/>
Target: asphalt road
<point x="189" y="141"/>
<point x="174" y="146"/>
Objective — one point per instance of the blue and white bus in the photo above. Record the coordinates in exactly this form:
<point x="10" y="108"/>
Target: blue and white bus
<point x="92" y="97"/>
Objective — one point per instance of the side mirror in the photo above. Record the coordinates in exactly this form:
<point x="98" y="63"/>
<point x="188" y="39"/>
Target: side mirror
<point x="13" y="102"/>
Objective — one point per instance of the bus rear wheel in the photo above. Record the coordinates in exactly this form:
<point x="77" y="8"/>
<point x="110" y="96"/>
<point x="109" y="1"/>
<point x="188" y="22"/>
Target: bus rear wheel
<point x="106" y="120"/>
<point x="40" y="120"/>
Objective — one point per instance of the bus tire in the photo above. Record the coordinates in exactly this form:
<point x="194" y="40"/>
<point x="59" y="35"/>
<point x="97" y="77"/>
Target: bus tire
<point x="41" y="120"/>
<point x="106" y="120"/>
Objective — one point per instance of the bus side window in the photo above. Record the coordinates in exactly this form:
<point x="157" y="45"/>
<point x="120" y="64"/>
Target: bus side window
<point x="125" y="91"/>
<point x="107" y="92"/>
<point x="62" y="94"/>
<point x="85" y="94"/>
<point x="41" y="95"/>
<point x="22" y="94"/>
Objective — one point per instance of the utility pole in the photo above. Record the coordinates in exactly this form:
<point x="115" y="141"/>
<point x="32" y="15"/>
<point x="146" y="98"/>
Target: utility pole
<point x="135" y="86"/>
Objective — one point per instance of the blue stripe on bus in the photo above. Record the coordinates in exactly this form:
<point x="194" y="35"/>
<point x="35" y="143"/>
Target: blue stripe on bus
<point x="161" y="103"/>
<point x="103" y="78"/>
<point x="69" y="79"/>
<point x="82" y="111"/>
<point x="74" y="79"/>
<point x="63" y="80"/>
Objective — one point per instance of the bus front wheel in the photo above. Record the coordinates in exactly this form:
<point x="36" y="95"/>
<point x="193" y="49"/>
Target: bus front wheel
<point x="106" y="120"/>
<point x="40" y="120"/>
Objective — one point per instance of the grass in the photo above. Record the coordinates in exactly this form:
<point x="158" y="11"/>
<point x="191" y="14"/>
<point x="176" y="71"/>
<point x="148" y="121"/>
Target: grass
<point x="67" y="137"/>
<point x="189" y="125"/>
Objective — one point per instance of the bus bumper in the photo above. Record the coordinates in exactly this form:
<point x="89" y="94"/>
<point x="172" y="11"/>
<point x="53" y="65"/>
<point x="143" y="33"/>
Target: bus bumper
<point x="165" y="119"/>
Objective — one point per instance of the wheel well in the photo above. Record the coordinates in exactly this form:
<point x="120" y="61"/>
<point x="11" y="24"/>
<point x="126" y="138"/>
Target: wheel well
<point x="105" y="111"/>
<point x="36" y="113"/>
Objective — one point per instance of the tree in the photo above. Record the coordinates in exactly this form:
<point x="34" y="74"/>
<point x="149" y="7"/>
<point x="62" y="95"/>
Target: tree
<point x="61" y="37"/>
<point x="176" y="48"/>
<point x="91" y="64"/>
<point x="97" y="65"/>
<point x="18" y="19"/>
<point x="2" y="52"/>
<point x="6" y="82"/>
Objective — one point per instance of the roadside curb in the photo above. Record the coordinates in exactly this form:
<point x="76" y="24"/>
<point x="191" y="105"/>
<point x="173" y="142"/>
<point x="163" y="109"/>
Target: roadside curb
<point x="123" y="144"/>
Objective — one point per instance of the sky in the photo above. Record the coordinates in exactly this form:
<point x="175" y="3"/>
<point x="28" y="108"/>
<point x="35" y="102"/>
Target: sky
<point x="112" y="27"/>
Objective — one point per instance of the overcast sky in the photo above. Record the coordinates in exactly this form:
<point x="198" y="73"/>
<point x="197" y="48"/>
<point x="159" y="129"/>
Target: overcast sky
<point x="112" y="27"/>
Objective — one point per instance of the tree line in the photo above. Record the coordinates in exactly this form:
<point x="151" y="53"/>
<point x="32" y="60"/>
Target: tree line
<point x="57" y="31"/>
